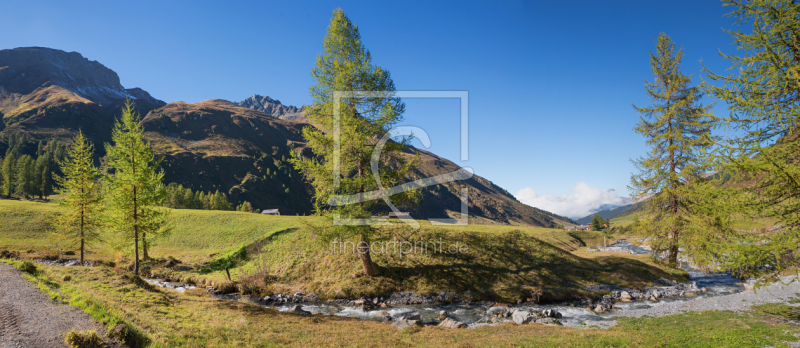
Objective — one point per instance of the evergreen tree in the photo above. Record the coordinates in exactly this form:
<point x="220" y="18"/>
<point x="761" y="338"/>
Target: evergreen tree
<point x="188" y="199"/>
<point x="42" y="174"/>
<point x="9" y="176"/>
<point x="764" y="102"/>
<point x="676" y="127"/>
<point x="597" y="222"/>
<point x="134" y="187"/>
<point x="25" y="176"/>
<point x="346" y="65"/>
<point x="80" y="187"/>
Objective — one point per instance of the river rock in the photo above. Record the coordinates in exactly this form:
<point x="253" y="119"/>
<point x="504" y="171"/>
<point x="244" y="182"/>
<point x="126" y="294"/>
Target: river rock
<point x="548" y="321"/>
<point x="550" y="313"/>
<point x="402" y="324"/>
<point x="299" y="310"/>
<point x="599" y="309"/>
<point x="625" y="296"/>
<point x="521" y="317"/>
<point x="449" y="323"/>
<point x="442" y="315"/>
<point x="410" y="316"/>
<point x="494" y="320"/>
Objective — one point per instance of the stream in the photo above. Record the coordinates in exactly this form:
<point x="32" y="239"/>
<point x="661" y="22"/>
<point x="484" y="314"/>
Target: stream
<point x="482" y="313"/>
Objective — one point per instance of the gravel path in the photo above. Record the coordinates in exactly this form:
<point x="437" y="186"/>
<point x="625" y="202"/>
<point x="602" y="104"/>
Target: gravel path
<point x="29" y="318"/>
<point x="776" y="292"/>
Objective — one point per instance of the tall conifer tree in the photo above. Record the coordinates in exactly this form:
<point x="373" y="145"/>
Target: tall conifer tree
<point x="346" y="65"/>
<point x="134" y="186"/>
<point x="676" y="128"/>
<point x="81" y="190"/>
<point x="764" y="102"/>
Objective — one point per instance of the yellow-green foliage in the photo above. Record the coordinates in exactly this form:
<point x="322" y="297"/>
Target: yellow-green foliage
<point x="83" y="339"/>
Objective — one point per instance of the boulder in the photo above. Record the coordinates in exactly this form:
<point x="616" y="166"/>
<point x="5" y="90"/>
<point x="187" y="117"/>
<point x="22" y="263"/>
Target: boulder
<point x="410" y="316"/>
<point x="299" y="310"/>
<point x="599" y="309"/>
<point x="521" y="317"/>
<point x="625" y="296"/>
<point x="402" y="324"/>
<point x="550" y="313"/>
<point x="449" y="323"/>
<point x="442" y="315"/>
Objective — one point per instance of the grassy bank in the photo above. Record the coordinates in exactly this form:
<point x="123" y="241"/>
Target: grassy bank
<point x="269" y="254"/>
<point x="167" y="319"/>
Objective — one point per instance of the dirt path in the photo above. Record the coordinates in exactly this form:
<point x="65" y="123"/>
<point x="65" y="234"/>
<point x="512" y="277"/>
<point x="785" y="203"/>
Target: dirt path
<point x="29" y="318"/>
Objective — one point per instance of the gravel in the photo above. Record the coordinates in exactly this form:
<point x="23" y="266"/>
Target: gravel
<point x="777" y="292"/>
<point x="29" y="318"/>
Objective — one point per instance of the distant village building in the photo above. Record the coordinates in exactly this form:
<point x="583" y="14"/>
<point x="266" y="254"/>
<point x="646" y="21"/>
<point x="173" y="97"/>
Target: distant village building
<point x="271" y="212"/>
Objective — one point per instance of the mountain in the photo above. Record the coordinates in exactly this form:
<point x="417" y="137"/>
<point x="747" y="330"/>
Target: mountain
<point x="613" y="212"/>
<point x="51" y="93"/>
<point x="274" y="108"/>
<point x="219" y="145"/>
<point x="238" y="148"/>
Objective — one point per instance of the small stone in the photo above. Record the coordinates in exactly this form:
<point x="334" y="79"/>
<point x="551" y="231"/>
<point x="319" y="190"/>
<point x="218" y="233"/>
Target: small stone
<point x="599" y="309"/>
<point x="703" y="290"/>
<point x="384" y="305"/>
<point x="494" y="320"/>
<point x="548" y="321"/>
<point x="449" y="323"/>
<point x="402" y="324"/>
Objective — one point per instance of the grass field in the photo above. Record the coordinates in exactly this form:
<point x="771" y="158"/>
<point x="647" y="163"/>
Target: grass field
<point x="195" y="319"/>
<point x="502" y="262"/>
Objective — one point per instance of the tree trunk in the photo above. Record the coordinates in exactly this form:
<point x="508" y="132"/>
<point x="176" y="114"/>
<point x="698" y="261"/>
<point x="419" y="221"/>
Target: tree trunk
<point x="82" y="240"/>
<point x="145" y="257"/>
<point x="366" y="260"/>
<point x="135" y="236"/>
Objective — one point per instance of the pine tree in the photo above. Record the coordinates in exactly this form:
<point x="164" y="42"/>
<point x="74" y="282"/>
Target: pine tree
<point x="80" y="187"/>
<point x="134" y="188"/>
<point x="764" y="102"/>
<point x="676" y="127"/>
<point x="346" y="65"/>
<point x="25" y="176"/>
<point x="9" y="163"/>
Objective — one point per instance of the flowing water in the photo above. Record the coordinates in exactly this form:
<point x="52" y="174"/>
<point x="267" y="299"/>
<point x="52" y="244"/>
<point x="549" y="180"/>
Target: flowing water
<point x="477" y="314"/>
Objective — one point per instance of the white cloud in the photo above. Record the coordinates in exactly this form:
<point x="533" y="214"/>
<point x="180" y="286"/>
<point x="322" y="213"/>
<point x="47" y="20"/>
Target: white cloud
<point x="583" y="200"/>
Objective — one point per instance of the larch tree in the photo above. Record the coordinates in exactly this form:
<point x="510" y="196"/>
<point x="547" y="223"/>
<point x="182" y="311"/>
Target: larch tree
<point x="134" y="188"/>
<point x="9" y="163"/>
<point x="25" y="179"/>
<point x="345" y="65"/>
<point x="677" y="127"/>
<point x="81" y="194"/>
<point x="763" y="97"/>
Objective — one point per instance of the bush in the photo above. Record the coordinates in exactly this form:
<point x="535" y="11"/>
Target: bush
<point x="83" y="339"/>
<point x="28" y="267"/>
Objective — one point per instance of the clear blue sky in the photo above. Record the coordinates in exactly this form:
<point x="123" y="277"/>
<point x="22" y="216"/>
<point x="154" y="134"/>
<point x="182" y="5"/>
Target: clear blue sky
<point x="551" y="83"/>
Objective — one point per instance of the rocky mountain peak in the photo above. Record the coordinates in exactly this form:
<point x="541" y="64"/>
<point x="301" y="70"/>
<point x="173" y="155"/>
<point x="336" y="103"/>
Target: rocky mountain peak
<point x="274" y="108"/>
<point x="24" y="69"/>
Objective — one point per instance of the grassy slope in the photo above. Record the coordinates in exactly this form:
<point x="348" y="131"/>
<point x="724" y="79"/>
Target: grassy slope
<point x="502" y="262"/>
<point x="169" y="319"/>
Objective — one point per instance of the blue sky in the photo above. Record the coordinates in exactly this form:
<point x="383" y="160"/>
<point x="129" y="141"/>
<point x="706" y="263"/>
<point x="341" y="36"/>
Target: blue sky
<point x="550" y="83"/>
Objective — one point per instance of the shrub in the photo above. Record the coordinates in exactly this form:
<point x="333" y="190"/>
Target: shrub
<point x="28" y="267"/>
<point x="83" y="339"/>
